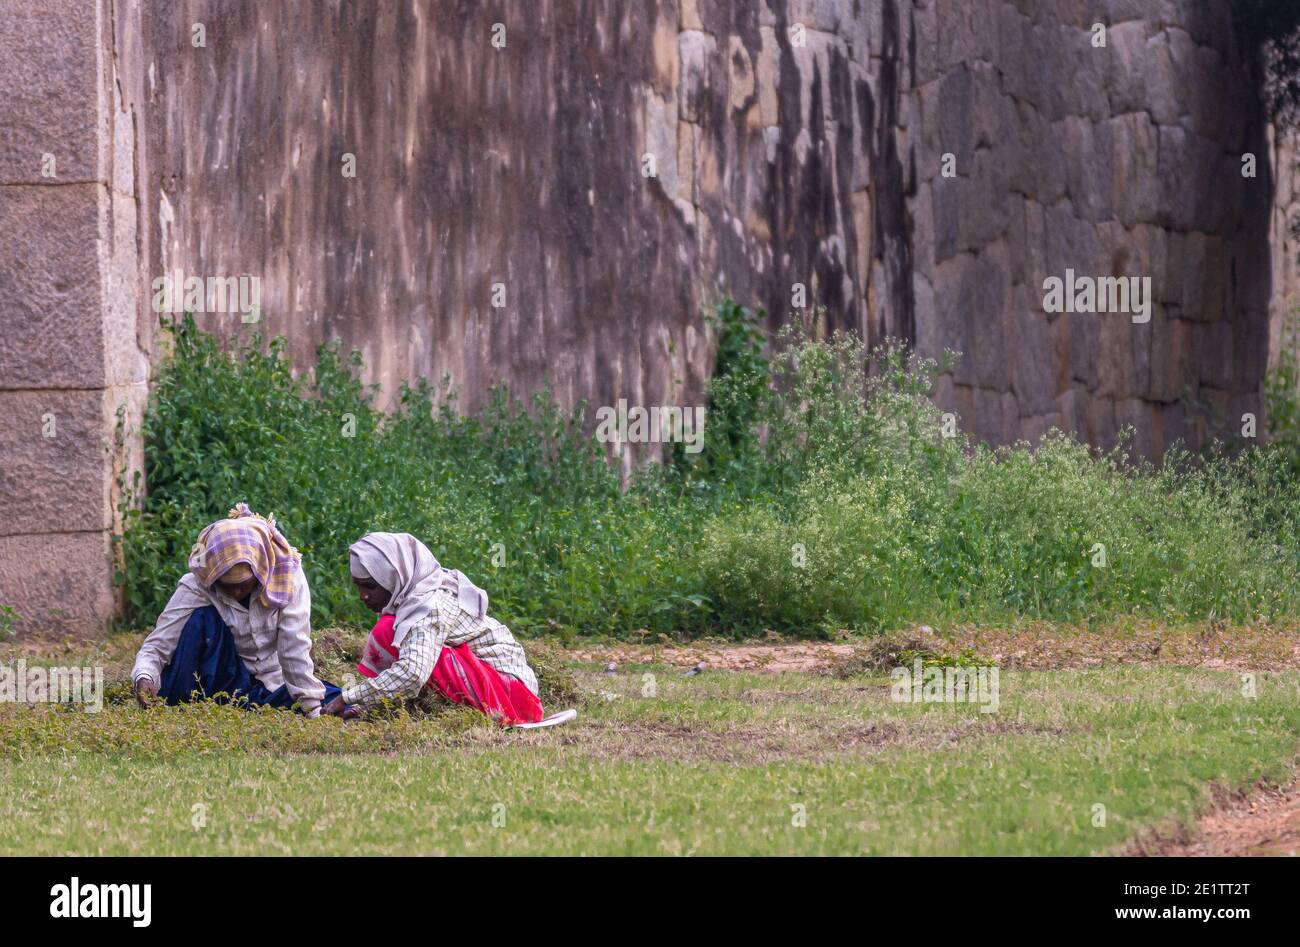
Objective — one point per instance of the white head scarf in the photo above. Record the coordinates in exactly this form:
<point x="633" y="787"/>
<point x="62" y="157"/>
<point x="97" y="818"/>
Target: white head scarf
<point x="404" y="566"/>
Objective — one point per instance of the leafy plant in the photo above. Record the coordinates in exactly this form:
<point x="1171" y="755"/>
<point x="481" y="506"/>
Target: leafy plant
<point x="827" y="496"/>
<point x="8" y="620"/>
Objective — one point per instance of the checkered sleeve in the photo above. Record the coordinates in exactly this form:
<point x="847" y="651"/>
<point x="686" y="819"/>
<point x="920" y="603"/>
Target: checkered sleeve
<point x="419" y="653"/>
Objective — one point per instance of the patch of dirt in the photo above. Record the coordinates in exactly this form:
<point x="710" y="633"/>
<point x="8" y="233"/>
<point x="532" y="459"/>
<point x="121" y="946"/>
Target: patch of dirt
<point x="1035" y="646"/>
<point x="1212" y="645"/>
<point x="757" y="745"/>
<point x="805" y="658"/>
<point x="741" y="745"/>
<point x="1263" y="822"/>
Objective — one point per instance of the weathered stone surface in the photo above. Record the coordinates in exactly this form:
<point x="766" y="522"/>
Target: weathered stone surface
<point x="955" y="118"/>
<point x="984" y="203"/>
<point x="1170" y="358"/>
<point x="1134" y="170"/>
<point x="1029" y="350"/>
<point x="52" y="296"/>
<point x="740" y="84"/>
<point x="945" y="207"/>
<point x="58" y="583"/>
<point x="689" y="15"/>
<point x="766" y="77"/>
<point x="1071" y="406"/>
<point x="51" y="87"/>
<point x="697" y="54"/>
<point x="1085" y="348"/>
<point x="953" y="283"/>
<point x="962" y="31"/>
<point x="816" y="163"/>
<point x="1099" y="422"/>
<point x="1138" y="415"/>
<point x="55" y="476"/>
<point x="985" y="306"/>
<point x="73" y="374"/>
<point x="1213" y="354"/>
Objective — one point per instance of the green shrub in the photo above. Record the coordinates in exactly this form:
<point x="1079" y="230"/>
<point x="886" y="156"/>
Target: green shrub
<point x="575" y="551"/>
<point x="826" y="496"/>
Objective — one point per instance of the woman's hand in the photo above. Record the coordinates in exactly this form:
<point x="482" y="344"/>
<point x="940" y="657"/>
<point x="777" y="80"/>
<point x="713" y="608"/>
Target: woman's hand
<point x="336" y="708"/>
<point x="146" y="691"/>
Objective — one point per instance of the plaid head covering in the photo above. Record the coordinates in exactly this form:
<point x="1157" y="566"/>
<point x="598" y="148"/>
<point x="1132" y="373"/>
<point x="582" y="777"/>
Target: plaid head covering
<point x="251" y="540"/>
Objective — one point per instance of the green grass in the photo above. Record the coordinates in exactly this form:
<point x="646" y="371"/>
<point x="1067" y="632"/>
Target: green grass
<point x="709" y="765"/>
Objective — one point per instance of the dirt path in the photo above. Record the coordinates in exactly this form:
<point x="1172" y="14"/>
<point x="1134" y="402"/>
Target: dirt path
<point x="1036" y="647"/>
<point x="1264" y="822"/>
<point x="806" y="658"/>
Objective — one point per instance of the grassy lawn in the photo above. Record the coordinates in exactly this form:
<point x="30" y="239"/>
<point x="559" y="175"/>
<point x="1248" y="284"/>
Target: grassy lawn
<point x="714" y="764"/>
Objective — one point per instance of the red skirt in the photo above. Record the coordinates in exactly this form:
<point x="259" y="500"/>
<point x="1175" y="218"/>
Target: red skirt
<point x="461" y="677"/>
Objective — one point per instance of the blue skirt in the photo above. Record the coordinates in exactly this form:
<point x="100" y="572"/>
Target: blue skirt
<point x="206" y="663"/>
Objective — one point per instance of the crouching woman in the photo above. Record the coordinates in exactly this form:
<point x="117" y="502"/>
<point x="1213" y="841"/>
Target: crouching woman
<point x="433" y="631"/>
<point x="239" y="624"/>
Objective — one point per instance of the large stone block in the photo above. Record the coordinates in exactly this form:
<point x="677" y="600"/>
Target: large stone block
<point x="1186" y="157"/>
<point x="1030" y="353"/>
<point x="1070" y="406"/>
<point x="51" y="302"/>
<point x="1050" y="70"/>
<point x="1141" y="418"/>
<point x="1134" y="168"/>
<point x="1085" y="348"/>
<point x="1118" y="360"/>
<point x="945" y="216"/>
<point x="766" y="77"/>
<point x="984" y="201"/>
<point x="1170" y="360"/>
<point x="1175" y="426"/>
<point x="50" y="62"/>
<point x="1190" y="269"/>
<point x="965" y="32"/>
<point x="1141" y="74"/>
<point x="58" y="583"/>
<point x="1212" y="346"/>
<point x="697" y="64"/>
<point x="929" y="340"/>
<point x="1088" y="65"/>
<point x="125" y="363"/>
<point x="956" y="119"/>
<point x="56" y="471"/>
<point x="984" y="299"/>
<point x="925" y="21"/>
<point x="1036" y="159"/>
<point x="1098" y="420"/>
<point x="1250" y="349"/>
<point x="1071" y="243"/>
<point x="1013" y="64"/>
<point x="952" y="308"/>
<point x="825" y="15"/>
<point x="1088" y="151"/>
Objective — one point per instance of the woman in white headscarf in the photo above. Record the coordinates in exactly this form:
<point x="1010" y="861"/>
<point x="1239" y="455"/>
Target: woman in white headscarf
<point x="433" y="630"/>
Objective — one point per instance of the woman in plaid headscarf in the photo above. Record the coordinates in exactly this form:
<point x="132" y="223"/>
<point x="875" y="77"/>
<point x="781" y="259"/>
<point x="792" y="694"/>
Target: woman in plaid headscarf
<point x="239" y="623"/>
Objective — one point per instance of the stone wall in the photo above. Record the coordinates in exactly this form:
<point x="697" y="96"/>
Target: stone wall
<point x="781" y="159"/>
<point x="794" y="142"/>
<point x="72" y="377"/>
<point x="522" y="166"/>
<point x="1122" y="160"/>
